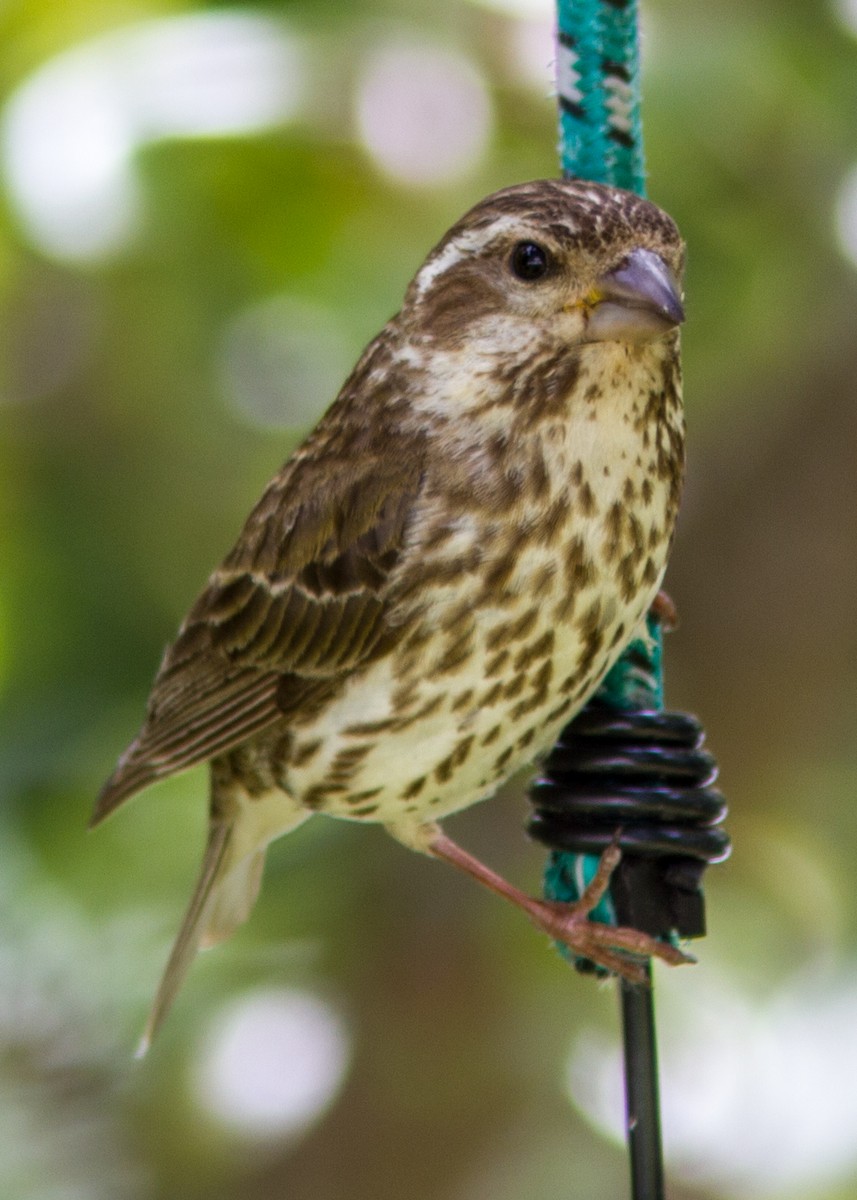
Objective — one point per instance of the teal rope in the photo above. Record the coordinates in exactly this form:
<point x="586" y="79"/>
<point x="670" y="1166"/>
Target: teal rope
<point x="621" y="74"/>
<point x="598" y="86"/>
<point x="582" y="112"/>
<point x="601" y="138"/>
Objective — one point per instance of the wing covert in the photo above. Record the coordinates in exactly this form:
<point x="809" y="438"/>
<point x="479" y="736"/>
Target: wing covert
<point x="300" y="601"/>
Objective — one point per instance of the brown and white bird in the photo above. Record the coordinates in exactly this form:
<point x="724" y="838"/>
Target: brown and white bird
<point x="443" y="573"/>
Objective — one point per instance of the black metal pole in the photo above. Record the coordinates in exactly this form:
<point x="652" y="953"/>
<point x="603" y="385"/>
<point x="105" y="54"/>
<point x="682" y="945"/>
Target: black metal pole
<point x="641" y="777"/>
<point x="642" y="1100"/>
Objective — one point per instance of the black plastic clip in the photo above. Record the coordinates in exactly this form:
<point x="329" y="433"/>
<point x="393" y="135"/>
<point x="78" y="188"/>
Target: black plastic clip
<point x="645" y="774"/>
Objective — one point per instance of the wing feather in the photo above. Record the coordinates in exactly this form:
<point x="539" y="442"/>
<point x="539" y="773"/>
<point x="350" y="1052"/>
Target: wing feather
<point x="301" y="600"/>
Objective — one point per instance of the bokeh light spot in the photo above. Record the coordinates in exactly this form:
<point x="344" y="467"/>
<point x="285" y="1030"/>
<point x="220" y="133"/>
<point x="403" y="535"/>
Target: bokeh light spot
<point x="66" y="143"/>
<point x="274" y="1062"/>
<point x="214" y="74"/>
<point x="757" y="1094"/>
<point x="423" y="113"/>
<point x="70" y="131"/>
<point x="846" y="10"/>
<point x="846" y="216"/>
<point x="533" y="52"/>
<point x="282" y="362"/>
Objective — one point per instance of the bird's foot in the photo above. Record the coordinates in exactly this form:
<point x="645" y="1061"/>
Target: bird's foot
<point x="606" y="945"/>
<point x="616" y="948"/>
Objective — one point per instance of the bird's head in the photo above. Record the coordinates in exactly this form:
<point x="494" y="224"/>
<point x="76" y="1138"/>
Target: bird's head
<point x="568" y="261"/>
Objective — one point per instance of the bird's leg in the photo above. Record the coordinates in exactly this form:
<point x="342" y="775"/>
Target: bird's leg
<point x="664" y="611"/>
<point x="606" y="945"/>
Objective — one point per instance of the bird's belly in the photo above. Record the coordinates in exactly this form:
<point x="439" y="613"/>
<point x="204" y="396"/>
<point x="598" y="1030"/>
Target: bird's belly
<point x="417" y="740"/>
<point x="517" y="616"/>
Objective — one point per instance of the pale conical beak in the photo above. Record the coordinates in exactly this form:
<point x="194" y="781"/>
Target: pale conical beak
<point x="637" y="302"/>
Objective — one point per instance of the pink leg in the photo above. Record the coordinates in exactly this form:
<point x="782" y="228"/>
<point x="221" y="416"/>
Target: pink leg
<point x="569" y="923"/>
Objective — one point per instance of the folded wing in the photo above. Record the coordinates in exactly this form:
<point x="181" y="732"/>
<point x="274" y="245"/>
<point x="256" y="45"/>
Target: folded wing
<point x="301" y="601"/>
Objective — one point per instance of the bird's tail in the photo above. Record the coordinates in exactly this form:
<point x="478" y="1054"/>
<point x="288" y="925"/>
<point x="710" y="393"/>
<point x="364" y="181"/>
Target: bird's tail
<point x="239" y="832"/>
<point x="224" y="895"/>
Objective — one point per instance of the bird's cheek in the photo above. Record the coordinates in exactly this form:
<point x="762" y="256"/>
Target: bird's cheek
<point x="571" y="325"/>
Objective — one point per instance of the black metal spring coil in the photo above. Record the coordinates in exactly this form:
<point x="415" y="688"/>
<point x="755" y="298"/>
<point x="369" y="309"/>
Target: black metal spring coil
<point x="646" y="775"/>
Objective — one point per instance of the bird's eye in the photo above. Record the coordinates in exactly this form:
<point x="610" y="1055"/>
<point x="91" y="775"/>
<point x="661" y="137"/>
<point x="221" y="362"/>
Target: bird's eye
<point x="530" y="261"/>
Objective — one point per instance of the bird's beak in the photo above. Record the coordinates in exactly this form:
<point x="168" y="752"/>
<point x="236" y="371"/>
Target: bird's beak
<point x="637" y="302"/>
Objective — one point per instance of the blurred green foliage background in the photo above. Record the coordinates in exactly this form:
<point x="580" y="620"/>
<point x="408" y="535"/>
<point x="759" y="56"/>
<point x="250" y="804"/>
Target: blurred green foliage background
<point x="205" y="212"/>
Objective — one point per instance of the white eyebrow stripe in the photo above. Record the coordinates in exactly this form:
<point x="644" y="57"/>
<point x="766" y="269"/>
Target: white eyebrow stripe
<point x="460" y="247"/>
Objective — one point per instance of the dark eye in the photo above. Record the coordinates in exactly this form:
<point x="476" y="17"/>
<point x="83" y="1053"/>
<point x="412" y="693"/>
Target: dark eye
<point x="530" y="261"/>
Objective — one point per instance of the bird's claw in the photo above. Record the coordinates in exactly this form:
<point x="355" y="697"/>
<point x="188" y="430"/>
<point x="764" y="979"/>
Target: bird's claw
<point x="664" y="611"/>
<point x="615" y="947"/>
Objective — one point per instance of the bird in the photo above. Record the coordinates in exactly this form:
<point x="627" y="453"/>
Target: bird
<point x="444" y="571"/>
